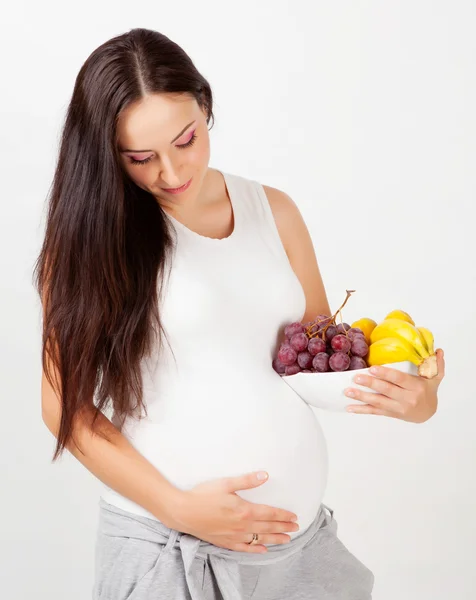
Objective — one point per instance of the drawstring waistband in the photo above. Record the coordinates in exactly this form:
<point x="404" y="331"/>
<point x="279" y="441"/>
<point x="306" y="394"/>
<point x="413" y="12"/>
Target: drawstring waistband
<point x="224" y="562"/>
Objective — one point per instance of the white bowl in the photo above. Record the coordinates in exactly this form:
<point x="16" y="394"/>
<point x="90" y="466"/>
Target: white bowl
<point x="326" y="390"/>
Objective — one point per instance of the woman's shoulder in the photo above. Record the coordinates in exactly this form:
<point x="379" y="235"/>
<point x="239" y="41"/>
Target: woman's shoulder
<point x="283" y="208"/>
<point x="285" y="211"/>
<point x="279" y="200"/>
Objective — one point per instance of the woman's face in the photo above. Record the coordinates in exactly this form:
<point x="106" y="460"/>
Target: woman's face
<point x="168" y="134"/>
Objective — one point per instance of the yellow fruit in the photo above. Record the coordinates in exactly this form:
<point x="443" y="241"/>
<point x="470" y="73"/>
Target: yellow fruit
<point x="390" y="350"/>
<point x="366" y="325"/>
<point x="428" y="337"/>
<point x="394" y="349"/>
<point x="401" y="329"/>
<point x="400" y="314"/>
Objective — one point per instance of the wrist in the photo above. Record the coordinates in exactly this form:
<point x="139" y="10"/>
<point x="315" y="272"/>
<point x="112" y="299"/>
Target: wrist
<point x="173" y="508"/>
<point x="181" y="510"/>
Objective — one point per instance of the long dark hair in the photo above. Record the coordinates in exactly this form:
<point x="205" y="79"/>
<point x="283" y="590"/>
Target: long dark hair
<point x="100" y="272"/>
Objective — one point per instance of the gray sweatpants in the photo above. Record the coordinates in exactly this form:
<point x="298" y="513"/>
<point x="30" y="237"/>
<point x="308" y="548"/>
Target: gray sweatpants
<point x="138" y="558"/>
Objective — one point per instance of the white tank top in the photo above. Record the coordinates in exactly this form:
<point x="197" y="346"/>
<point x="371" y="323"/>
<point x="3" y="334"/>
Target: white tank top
<point x="219" y="409"/>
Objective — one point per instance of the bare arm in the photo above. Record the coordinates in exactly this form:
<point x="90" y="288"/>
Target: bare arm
<point x="114" y="460"/>
<point x="300" y="250"/>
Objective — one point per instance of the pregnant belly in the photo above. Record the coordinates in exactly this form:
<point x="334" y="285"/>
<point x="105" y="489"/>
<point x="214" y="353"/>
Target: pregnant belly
<point x="226" y="435"/>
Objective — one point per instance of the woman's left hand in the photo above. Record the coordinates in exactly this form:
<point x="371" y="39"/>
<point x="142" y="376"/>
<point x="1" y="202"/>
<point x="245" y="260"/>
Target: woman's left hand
<point x="399" y="395"/>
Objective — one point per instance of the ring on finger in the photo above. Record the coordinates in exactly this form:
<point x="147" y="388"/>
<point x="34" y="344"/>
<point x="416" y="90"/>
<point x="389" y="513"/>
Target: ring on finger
<point x="254" y="540"/>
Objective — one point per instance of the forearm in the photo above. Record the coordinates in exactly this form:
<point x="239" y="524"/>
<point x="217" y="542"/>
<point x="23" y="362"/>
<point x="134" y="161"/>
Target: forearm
<point x="114" y="461"/>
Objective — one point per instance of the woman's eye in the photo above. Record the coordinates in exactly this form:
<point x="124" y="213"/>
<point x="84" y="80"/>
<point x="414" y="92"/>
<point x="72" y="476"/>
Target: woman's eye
<point x="190" y="142"/>
<point x="181" y="146"/>
<point x="140" y="162"/>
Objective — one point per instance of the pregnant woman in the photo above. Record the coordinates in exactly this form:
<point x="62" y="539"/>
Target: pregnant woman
<point x="166" y="286"/>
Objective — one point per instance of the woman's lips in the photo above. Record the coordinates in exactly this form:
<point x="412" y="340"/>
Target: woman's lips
<point x="178" y="190"/>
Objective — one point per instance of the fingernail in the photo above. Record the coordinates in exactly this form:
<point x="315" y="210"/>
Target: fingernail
<point x="374" y="370"/>
<point x="262" y="475"/>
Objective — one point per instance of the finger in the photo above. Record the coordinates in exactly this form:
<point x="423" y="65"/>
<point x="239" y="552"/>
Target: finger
<point x="373" y="399"/>
<point x="440" y="361"/>
<point x="252" y="548"/>
<point x="268" y="538"/>
<point x="406" y="381"/>
<point x="263" y="512"/>
<point x="223" y="541"/>
<point x="366" y="409"/>
<point x="264" y="527"/>
<point x="245" y="482"/>
<point x="381" y="386"/>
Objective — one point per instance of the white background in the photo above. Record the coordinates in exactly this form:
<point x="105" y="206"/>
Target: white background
<point x="364" y="113"/>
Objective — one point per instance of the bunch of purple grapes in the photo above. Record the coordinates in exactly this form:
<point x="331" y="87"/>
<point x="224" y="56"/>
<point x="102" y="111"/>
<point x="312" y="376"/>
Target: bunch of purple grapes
<point x="321" y="346"/>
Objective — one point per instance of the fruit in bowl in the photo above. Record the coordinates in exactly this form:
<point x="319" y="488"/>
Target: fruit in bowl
<point x="333" y="351"/>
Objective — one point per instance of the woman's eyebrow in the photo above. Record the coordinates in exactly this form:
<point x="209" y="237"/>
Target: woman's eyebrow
<point x="175" y="138"/>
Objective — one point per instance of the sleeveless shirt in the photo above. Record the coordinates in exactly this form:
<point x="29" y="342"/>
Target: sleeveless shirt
<point x="216" y="407"/>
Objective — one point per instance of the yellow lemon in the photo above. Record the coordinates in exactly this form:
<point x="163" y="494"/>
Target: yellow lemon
<point x="366" y="325"/>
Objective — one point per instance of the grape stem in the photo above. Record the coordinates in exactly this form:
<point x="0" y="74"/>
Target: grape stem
<point x="332" y="321"/>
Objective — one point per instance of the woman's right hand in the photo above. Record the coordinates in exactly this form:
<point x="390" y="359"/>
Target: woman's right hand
<point x="212" y="511"/>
